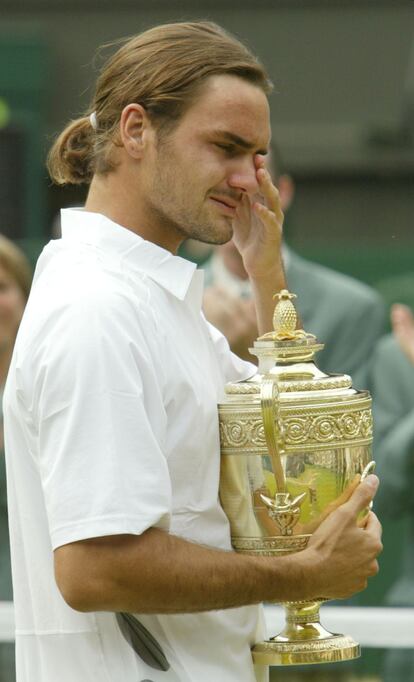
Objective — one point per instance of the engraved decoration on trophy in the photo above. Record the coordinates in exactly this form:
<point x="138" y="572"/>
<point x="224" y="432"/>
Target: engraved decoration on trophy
<point x="295" y="443"/>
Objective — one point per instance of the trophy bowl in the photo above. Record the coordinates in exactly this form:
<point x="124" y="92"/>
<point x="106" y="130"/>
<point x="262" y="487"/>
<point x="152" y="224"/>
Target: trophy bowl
<point x="295" y="442"/>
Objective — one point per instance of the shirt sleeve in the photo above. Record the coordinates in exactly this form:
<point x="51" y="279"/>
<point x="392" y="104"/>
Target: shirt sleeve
<point x="100" y="423"/>
<point x="233" y="367"/>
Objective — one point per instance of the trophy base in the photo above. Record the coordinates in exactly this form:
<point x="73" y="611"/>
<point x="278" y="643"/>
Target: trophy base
<point x="304" y="640"/>
<point x="279" y="651"/>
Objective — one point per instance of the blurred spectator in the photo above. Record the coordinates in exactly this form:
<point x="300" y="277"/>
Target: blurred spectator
<point x="393" y="388"/>
<point x="397" y="288"/>
<point x="15" y="280"/>
<point x="346" y="315"/>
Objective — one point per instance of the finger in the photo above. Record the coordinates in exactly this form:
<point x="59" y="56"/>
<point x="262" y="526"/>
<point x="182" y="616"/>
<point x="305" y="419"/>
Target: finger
<point x="269" y="191"/>
<point x="343" y="497"/>
<point x="373" y="528"/>
<point x="268" y="217"/>
<point x="348" y="491"/>
<point x="373" y="524"/>
<point x="363" y="494"/>
<point x="242" y="225"/>
<point x="363" y="517"/>
<point x="260" y="160"/>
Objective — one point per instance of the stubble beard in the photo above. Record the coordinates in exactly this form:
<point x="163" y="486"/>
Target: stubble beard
<point x="185" y="221"/>
<point x="200" y="230"/>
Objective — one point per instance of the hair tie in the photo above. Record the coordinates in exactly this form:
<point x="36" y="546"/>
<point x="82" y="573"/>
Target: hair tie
<point x="93" y="120"/>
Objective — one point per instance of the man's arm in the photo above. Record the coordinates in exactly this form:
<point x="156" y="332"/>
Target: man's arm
<point x="258" y="237"/>
<point x="159" y="573"/>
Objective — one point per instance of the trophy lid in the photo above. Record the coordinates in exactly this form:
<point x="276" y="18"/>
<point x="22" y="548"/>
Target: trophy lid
<point x="287" y="354"/>
<point x="286" y="342"/>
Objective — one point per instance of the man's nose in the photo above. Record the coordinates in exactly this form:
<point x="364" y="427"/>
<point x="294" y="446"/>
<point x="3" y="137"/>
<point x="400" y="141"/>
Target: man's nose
<point x="245" y="179"/>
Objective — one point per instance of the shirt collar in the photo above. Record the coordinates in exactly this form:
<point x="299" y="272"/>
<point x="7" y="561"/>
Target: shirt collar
<point x="171" y="272"/>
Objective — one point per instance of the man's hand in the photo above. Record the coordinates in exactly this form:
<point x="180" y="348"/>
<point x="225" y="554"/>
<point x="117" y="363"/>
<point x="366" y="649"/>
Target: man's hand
<point x="403" y="327"/>
<point x="258" y="226"/>
<point x="234" y="317"/>
<point x="257" y="234"/>
<point x="342" y="555"/>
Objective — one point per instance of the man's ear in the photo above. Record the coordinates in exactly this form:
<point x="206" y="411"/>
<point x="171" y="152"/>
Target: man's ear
<point x="134" y="129"/>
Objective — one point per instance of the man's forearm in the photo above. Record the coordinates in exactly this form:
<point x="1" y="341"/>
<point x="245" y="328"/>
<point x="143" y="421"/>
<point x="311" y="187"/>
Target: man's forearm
<point x="160" y="573"/>
<point x="263" y="289"/>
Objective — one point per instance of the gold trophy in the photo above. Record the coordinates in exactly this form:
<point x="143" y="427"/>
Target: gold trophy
<point x="295" y="443"/>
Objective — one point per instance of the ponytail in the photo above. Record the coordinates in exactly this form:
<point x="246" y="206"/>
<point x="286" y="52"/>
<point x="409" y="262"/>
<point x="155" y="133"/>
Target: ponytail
<point x="70" y="160"/>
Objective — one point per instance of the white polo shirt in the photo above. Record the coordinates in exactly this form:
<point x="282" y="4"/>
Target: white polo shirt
<point x="111" y="428"/>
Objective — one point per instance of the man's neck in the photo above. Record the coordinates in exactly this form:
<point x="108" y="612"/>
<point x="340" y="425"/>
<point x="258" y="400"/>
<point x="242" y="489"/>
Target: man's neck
<point x="111" y="196"/>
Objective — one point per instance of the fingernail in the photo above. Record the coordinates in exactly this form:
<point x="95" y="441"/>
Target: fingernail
<point x="373" y="481"/>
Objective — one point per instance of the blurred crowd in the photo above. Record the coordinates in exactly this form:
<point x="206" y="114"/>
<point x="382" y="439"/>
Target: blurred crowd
<point x="15" y="280"/>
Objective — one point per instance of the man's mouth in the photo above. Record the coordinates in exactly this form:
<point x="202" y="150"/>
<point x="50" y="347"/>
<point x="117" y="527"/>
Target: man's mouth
<point x="229" y="206"/>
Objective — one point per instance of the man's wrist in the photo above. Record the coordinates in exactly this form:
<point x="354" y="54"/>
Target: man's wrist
<point x="289" y="577"/>
<point x="275" y="273"/>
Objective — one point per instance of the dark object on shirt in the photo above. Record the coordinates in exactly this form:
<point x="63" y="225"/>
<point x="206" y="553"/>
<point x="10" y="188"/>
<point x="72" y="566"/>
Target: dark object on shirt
<point x="142" y="641"/>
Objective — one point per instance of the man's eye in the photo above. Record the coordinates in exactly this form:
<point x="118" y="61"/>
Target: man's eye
<point x="227" y="148"/>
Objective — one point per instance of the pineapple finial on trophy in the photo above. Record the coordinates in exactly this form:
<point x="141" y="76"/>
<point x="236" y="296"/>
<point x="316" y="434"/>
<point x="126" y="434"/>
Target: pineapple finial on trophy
<point x="285" y="319"/>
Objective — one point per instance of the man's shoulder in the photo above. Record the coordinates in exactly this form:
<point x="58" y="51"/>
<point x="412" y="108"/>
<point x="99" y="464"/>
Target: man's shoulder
<point x="73" y="293"/>
<point x="81" y="276"/>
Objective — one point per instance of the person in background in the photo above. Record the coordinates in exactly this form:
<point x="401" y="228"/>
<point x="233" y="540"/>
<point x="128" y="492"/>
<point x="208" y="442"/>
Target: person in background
<point x="343" y="313"/>
<point x="15" y="281"/>
<point x="393" y="407"/>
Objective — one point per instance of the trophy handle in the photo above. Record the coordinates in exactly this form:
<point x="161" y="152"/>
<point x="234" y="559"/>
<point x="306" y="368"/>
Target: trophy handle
<point x="282" y="509"/>
<point x="269" y="400"/>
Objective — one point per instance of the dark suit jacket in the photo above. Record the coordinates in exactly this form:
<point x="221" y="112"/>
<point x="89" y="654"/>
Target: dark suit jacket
<point x="393" y="390"/>
<point x="345" y="314"/>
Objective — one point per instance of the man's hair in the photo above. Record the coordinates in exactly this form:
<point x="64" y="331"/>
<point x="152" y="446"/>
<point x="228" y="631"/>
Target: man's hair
<point x="162" y="69"/>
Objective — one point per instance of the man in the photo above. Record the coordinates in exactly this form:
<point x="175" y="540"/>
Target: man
<point x="111" y="406"/>
<point x="346" y="315"/>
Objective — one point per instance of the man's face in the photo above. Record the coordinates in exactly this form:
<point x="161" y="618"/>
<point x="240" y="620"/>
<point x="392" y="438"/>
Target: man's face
<point x="203" y="167"/>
